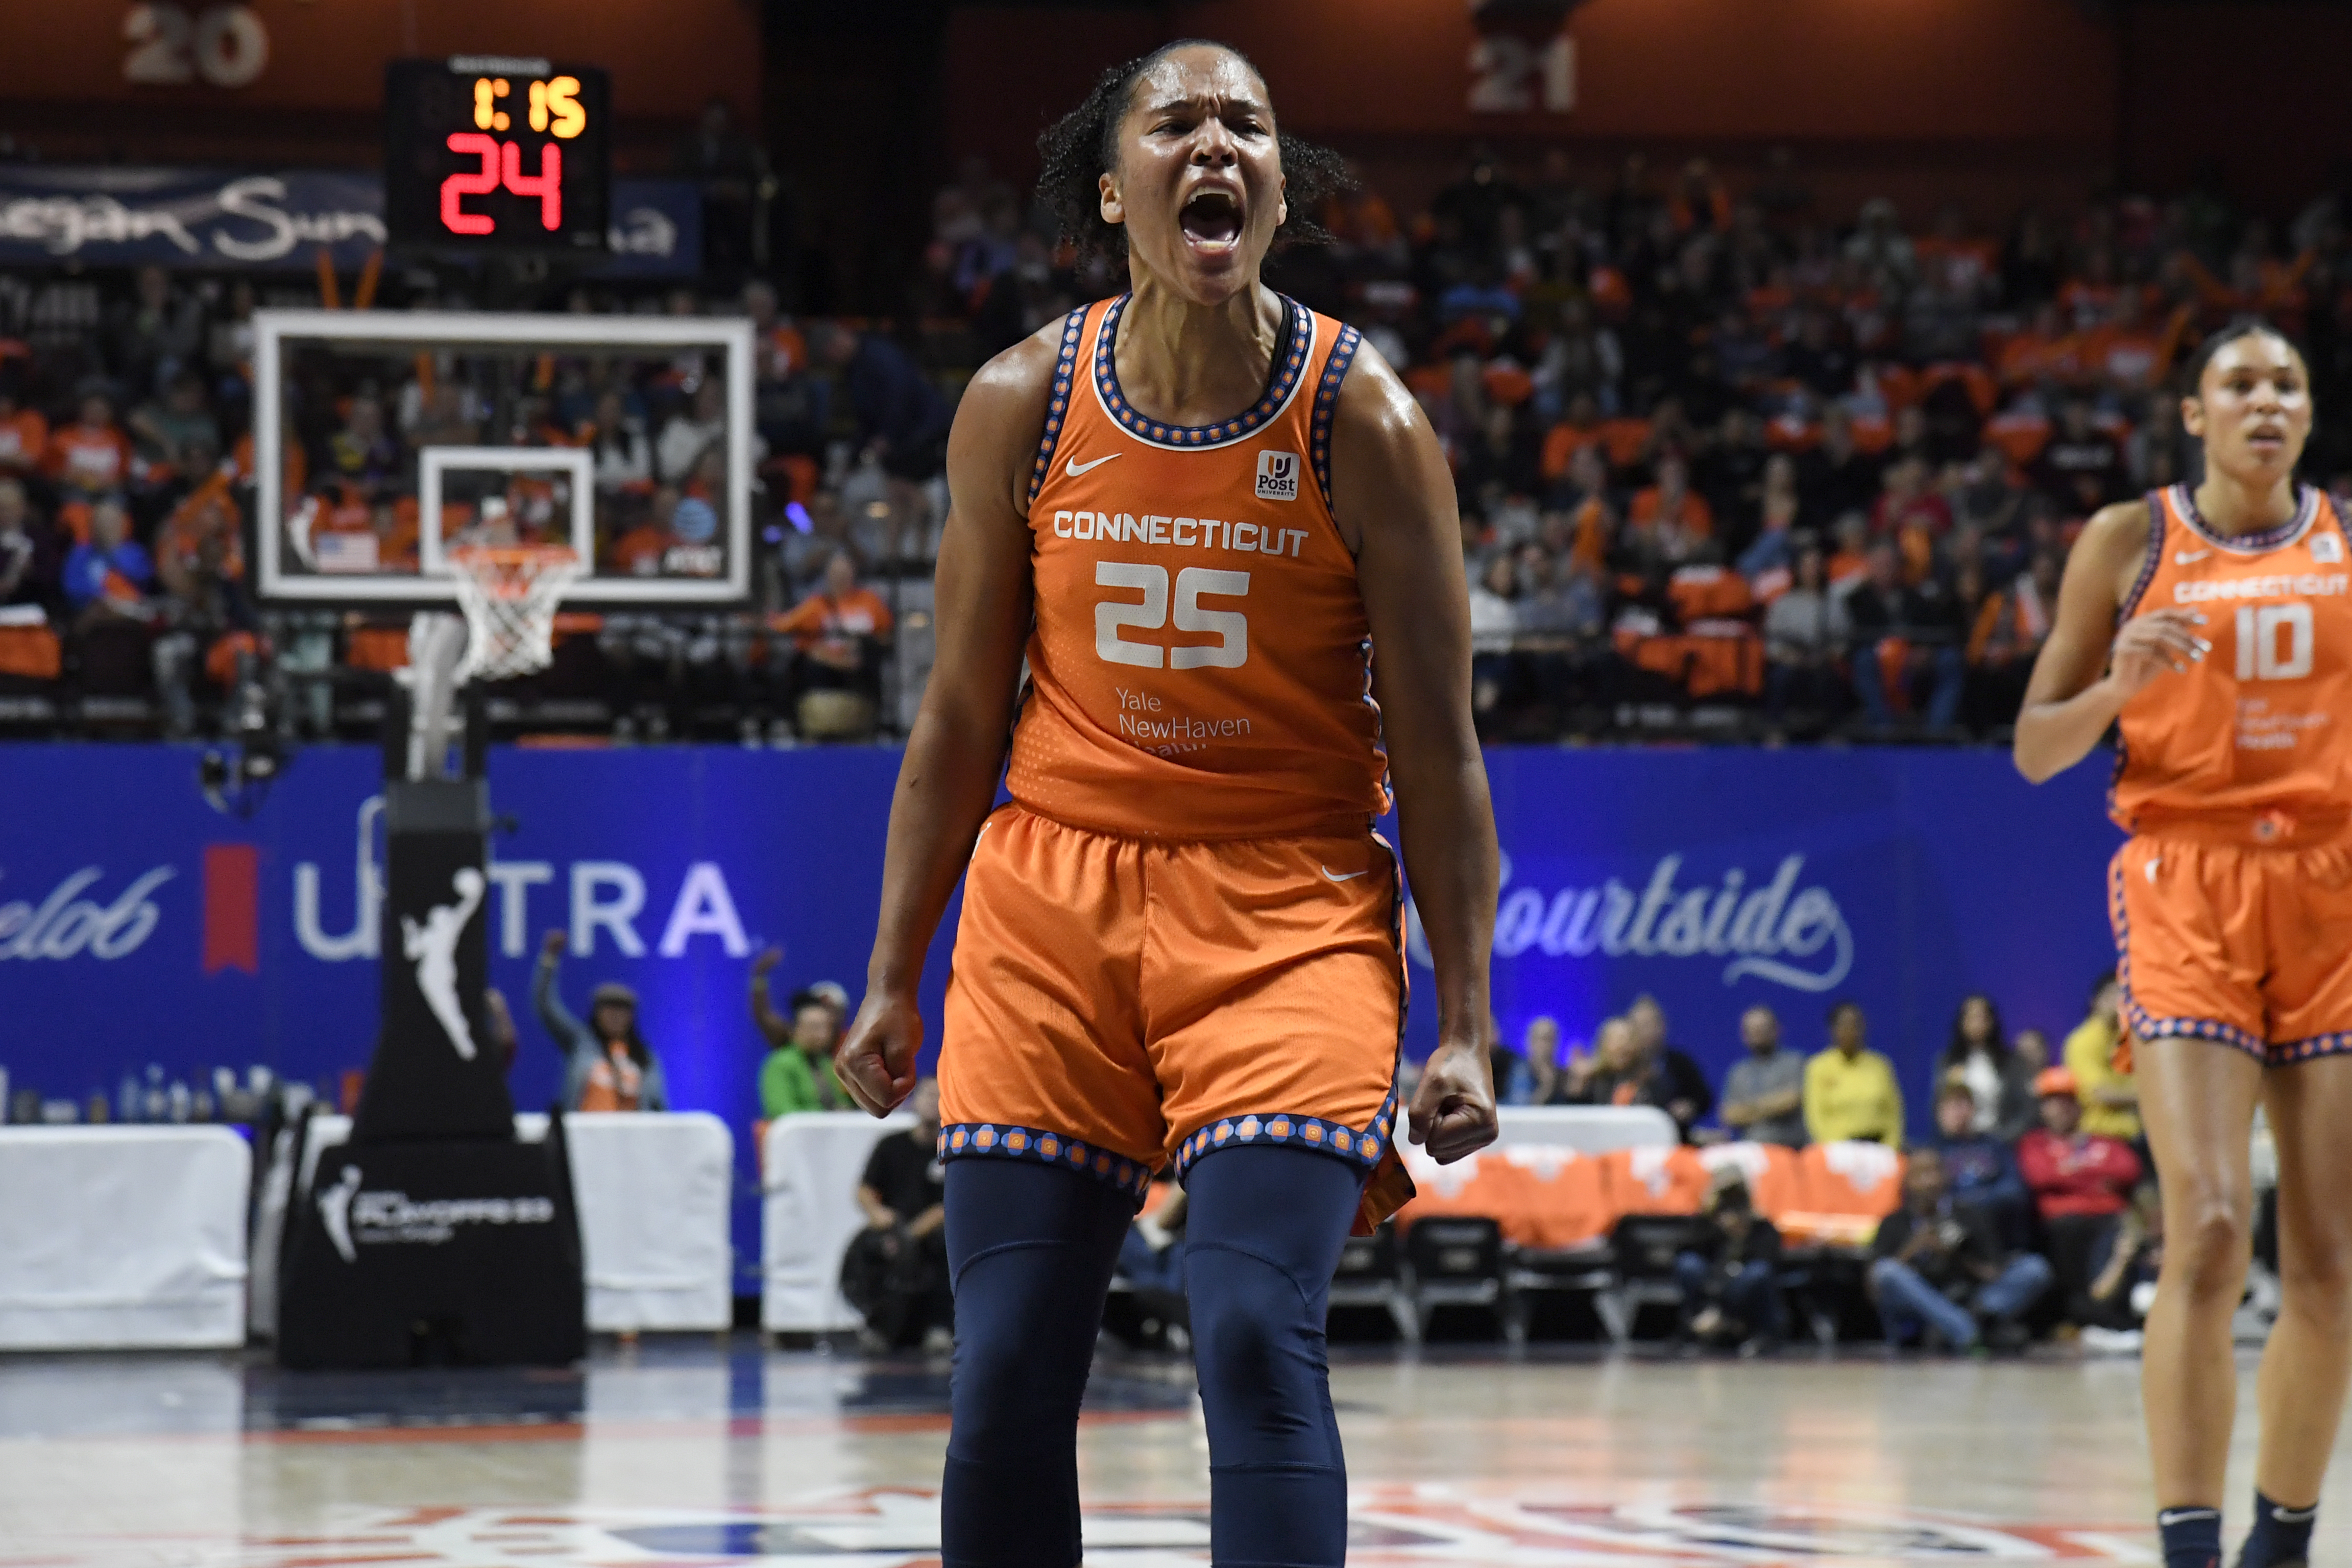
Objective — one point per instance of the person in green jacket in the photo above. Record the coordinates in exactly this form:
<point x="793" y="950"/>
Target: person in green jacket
<point x="798" y="1075"/>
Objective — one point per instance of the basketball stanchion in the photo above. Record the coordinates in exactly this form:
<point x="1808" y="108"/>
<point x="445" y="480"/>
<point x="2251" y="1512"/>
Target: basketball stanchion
<point x="434" y="1235"/>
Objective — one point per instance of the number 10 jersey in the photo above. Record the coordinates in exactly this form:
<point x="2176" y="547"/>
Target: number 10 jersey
<point x="2260" y="730"/>
<point x="1200" y="666"/>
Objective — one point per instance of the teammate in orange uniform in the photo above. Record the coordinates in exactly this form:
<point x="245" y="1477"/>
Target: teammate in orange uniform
<point x="1179" y="943"/>
<point x="2215" y="625"/>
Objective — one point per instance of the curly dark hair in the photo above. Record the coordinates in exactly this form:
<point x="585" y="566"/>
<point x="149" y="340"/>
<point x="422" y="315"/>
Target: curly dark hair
<point x="1079" y="149"/>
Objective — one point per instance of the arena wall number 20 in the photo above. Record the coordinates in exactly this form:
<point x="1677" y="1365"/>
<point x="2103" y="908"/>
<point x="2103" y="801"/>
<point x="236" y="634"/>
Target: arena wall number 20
<point x="225" y="46"/>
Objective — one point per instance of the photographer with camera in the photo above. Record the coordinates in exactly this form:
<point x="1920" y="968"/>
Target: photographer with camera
<point x="1941" y="1267"/>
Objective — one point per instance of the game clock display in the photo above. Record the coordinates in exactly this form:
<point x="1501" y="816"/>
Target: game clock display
<point x="493" y="154"/>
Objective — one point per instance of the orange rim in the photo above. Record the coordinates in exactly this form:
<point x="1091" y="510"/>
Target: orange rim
<point x="514" y="555"/>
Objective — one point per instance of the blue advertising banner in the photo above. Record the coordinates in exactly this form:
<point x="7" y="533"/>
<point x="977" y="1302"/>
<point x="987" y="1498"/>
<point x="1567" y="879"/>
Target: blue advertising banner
<point x="228" y="220"/>
<point x="138" y="925"/>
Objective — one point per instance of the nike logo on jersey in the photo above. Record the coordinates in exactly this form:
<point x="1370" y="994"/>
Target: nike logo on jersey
<point x="2189" y="556"/>
<point x="2151" y="868"/>
<point x="1335" y="876"/>
<point x="1073" y="467"/>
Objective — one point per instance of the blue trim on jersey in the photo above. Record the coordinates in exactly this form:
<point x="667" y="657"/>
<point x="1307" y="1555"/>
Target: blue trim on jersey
<point x="2143" y="1026"/>
<point x="968" y="1140"/>
<point x="1364" y="1146"/>
<point x="1326" y="404"/>
<point x="2286" y="533"/>
<point x="1283" y="378"/>
<point x="1058" y="411"/>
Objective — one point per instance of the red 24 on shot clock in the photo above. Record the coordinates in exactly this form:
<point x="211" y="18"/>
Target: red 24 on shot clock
<point x="496" y="154"/>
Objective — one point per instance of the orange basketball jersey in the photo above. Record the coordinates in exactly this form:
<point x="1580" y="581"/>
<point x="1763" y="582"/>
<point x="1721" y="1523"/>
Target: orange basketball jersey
<point x="1201" y="667"/>
<point x="2261" y="729"/>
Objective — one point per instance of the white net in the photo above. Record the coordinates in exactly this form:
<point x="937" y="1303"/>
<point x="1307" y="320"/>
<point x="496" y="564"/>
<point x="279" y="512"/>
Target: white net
<point x="508" y="596"/>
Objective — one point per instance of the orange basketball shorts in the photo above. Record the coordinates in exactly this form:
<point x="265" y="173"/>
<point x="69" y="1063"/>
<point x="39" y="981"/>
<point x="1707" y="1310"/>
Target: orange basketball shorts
<point x="1117" y="1004"/>
<point x="2235" y="942"/>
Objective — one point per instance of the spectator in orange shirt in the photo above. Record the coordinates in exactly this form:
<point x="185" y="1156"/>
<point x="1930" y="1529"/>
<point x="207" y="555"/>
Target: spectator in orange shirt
<point x="208" y="513"/>
<point x="2047" y="352"/>
<point x="839" y="634"/>
<point x="1670" y="518"/>
<point x="2011" y="627"/>
<point x="1913" y="515"/>
<point x="89" y="457"/>
<point x="24" y="434"/>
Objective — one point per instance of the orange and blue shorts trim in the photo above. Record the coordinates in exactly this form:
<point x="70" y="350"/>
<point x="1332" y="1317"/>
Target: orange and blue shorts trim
<point x="2243" y="945"/>
<point x="1122" y="1005"/>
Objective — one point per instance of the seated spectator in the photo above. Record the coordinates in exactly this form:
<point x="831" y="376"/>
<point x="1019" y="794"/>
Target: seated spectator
<point x="1669" y="520"/>
<point x="1904" y="638"/>
<point x="90" y="458"/>
<point x="1614" y="1072"/>
<point x="607" y="1065"/>
<point x="623" y="457"/>
<point x="2126" y="1286"/>
<point x="178" y="431"/>
<point x="29" y="565"/>
<point x="24" y="434"/>
<point x="1981" y="1169"/>
<point x="1764" y="1095"/>
<point x="1805" y="634"/>
<point x="1851" y="1094"/>
<point x="2010" y="628"/>
<point x="902" y="425"/>
<point x="839" y="634"/>
<point x="2110" y="1092"/>
<point x="1151" y="1255"/>
<point x="1731" y="1295"/>
<point x="1979" y="1054"/>
<point x="1493" y="624"/>
<point x="701" y="425"/>
<point x="1541" y="1050"/>
<point x="209" y="624"/>
<point x="896" y="1271"/>
<point x="2082" y="467"/>
<point x="110" y="576"/>
<point x="1688" y="1099"/>
<point x="1939" y="1266"/>
<point x="2082" y="1182"/>
<point x="798" y="1075"/>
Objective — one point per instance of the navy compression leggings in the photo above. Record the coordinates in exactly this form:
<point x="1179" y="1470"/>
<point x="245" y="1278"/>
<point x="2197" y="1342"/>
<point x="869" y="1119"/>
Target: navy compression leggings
<point x="1031" y="1249"/>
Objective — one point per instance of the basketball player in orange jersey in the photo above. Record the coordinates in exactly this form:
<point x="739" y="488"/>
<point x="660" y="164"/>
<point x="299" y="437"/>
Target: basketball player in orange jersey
<point x="2215" y="625"/>
<point x="1197" y="507"/>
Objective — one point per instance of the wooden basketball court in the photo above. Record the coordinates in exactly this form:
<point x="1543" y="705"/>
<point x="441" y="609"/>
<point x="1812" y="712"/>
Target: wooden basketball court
<point x="684" y="1453"/>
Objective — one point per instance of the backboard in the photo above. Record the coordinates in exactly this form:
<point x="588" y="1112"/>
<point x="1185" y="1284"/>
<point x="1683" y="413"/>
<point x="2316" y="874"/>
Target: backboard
<point x="384" y="439"/>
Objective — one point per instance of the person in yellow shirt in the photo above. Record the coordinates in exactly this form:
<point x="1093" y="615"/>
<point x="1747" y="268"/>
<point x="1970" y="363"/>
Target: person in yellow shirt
<point x="1849" y="1089"/>
<point x="2110" y="1096"/>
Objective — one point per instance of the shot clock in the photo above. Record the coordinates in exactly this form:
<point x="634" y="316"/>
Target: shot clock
<point x="494" y="154"/>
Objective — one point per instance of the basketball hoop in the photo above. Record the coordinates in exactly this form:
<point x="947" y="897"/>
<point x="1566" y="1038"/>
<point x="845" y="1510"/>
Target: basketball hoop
<point x="509" y="595"/>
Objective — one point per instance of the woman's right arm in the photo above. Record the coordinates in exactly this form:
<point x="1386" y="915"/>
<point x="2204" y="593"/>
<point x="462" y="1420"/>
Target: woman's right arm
<point x="547" y="1002"/>
<point x="947" y="784"/>
<point x="2088" y="669"/>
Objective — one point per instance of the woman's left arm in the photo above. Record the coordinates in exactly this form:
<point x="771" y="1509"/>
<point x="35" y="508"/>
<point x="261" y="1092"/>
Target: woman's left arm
<point x="1393" y="496"/>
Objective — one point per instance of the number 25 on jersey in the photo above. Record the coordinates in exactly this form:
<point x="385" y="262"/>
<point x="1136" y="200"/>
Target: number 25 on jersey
<point x="1114" y="615"/>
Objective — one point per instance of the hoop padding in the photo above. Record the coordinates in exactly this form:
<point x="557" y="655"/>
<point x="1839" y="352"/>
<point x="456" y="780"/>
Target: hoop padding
<point x="508" y="596"/>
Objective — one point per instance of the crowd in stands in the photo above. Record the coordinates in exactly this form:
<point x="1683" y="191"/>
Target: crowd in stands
<point x="1723" y="457"/>
<point x="2031" y="1201"/>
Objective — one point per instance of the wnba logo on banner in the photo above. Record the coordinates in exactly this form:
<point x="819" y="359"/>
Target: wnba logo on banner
<point x="1771" y="929"/>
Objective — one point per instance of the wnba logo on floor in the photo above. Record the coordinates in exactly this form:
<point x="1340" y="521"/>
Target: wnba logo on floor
<point x="1769" y="929"/>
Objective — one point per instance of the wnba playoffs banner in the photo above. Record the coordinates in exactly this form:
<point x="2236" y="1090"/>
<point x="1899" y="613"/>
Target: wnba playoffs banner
<point x="137" y="925"/>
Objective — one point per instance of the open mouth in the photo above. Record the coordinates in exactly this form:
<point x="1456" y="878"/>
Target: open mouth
<point x="1211" y="220"/>
<point x="2266" y="440"/>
